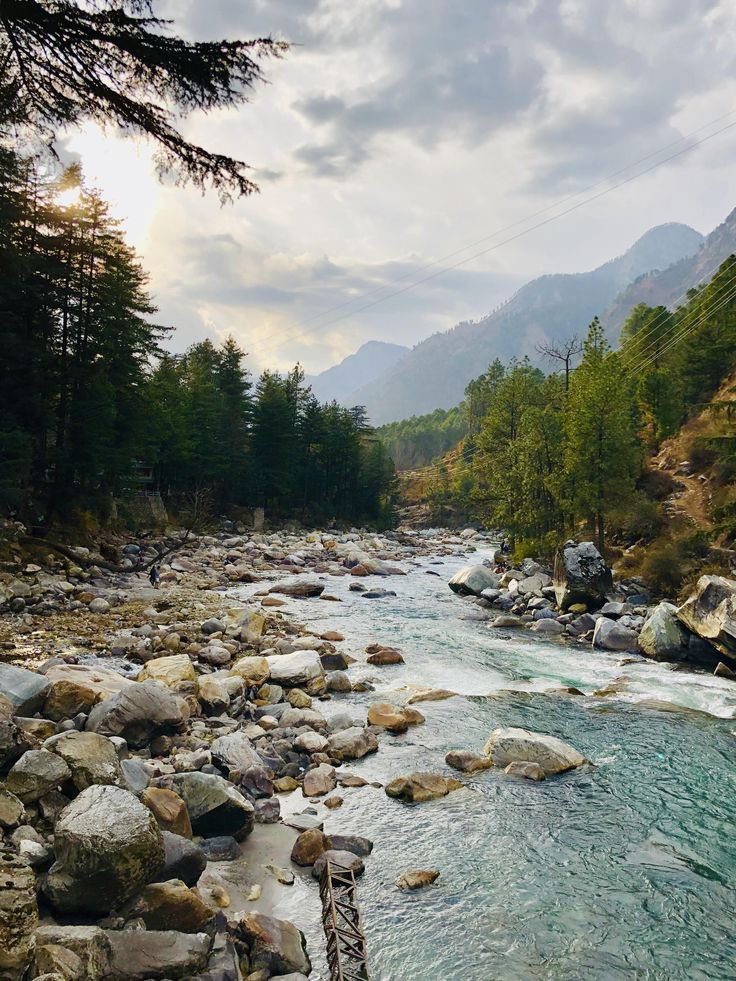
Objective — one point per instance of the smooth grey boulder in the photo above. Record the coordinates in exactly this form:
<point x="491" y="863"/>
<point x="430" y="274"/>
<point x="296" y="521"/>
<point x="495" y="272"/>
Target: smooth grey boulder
<point x="107" y="846"/>
<point x="710" y="612"/>
<point x="472" y="580"/>
<point x="138" y="713"/>
<point x="511" y="745"/>
<point x="156" y="954"/>
<point x="215" y="806"/>
<point x="25" y="690"/>
<point x="534" y="584"/>
<point x="612" y="636"/>
<point x="92" y="758"/>
<point x="234" y="751"/>
<point x="663" y="637"/>
<point x="35" y="774"/>
<point x="297" y="668"/>
<point x="581" y="575"/>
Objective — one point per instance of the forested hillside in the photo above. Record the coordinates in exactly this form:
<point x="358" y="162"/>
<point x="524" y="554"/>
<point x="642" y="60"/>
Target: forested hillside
<point x="89" y="397"/>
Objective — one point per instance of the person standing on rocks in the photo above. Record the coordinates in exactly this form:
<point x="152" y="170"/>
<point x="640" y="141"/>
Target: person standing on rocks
<point x="154" y="576"/>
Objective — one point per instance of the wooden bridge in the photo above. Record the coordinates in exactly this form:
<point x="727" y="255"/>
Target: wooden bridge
<point x="346" y="948"/>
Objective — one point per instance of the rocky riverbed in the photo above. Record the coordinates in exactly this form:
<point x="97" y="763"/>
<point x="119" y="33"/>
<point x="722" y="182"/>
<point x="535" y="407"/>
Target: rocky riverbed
<point x="178" y="762"/>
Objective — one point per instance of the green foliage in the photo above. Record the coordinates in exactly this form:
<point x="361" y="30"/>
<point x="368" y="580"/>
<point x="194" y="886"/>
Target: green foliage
<point x="420" y="440"/>
<point x="664" y="568"/>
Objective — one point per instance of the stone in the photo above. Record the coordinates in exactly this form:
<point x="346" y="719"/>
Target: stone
<point x="417" y="879"/>
<point x="392" y="717"/>
<point x="284" y="876"/>
<point x="169" y="810"/>
<point x="508" y="620"/>
<point x="138" y="713"/>
<point x="253" y="670"/>
<point x="212" y="626"/>
<point x="215" y="806"/>
<point x="420" y="787"/>
<point x="182" y="859"/>
<point x="299" y="589"/>
<point x="350" y="843"/>
<point x="99" y="605"/>
<point x="348" y="860"/>
<point x="534" y="583"/>
<point x="13" y="741"/>
<point x="35" y="774"/>
<point x="169" y="906"/>
<point x="612" y="636"/>
<point x="107" y="846"/>
<point x="87" y="943"/>
<point x="18" y="915"/>
<point x="548" y="626"/>
<point x="234" y="751"/>
<point x="663" y="637"/>
<point x="527" y="770"/>
<point x="169" y="670"/>
<point x="268" y="810"/>
<point x="11" y="809"/>
<point x="296" y="718"/>
<point x="721" y="671"/>
<point x="581" y="575"/>
<point x="295" y="669"/>
<point x="384" y="657"/>
<point x="308" y="847"/>
<point x="223" y="848"/>
<point x="284" y="785"/>
<point x="710" y="612"/>
<point x="472" y="580"/>
<point x="164" y="954"/>
<point x="466" y="761"/>
<point x="275" y="946"/>
<point x="353" y="743"/>
<point x="298" y="699"/>
<point x="58" y="962"/>
<point x="311" y="742"/>
<point x="25" y="690"/>
<point x="338" y="682"/>
<point x="92" y="758"/>
<point x="431" y="695"/>
<point x="319" y="781"/>
<point x="102" y="682"/>
<point x="257" y="782"/>
<point x="509" y="745"/>
<point x="213" y="695"/>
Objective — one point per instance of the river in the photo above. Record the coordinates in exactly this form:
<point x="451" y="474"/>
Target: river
<point x="622" y="869"/>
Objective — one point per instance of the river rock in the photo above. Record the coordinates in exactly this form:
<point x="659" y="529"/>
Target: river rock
<point x="612" y="636"/>
<point x="234" y="752"/>
<point x="393" y="717"/>
<point x="25" y="690"/>
<point x="169" y="670"/>
<point x="308" y="847"/>
<point x="508" y="620"/>
<point x="35" y="774"/>
<point x="138" y="713"/>
<point x="274" y="946"/>
<point x="169" y="906"/>
<point x="169" y="810"/>
<point x="534" y="583"/>
<point x="165" y="954"/>
<point x="472" y="580"/>
<point x="215" y="806"/>
<point x="253" y="670"/>
<point x="511" y="745"/>
<point x="417" y="879"/>
<point x="18" y="915"/>
<point x="350" y="843"/>
<point x="549" y="626"/>
<point x="92" y="758"/>
<point x="13" y="741"/>
<point x="319" y="781"/>
<point x="348" y="860"/>
<point x="581" y="575"/>
<point x="467" y="762"/>
<point x="213" y="695"/>
<point x="663" y="637"/>
<point x="11" y="809"/>
<point x="385" y="656"/>
<point x="721" y="671"/>
<point x="352" y="743"/>
<point x="87" y="943"/>
<point x="107" y="846"/>
<point x="420" y="787"/>
<point x="295" y="669"/>
<point x="710" y="612"/>
<point x="338" y="682"/>
<point x="529" y="771"/>
<point x="101" y="682"/>
<point x="298" y="589"/>
<point x="311" y="742"/>
<point x="182" y="859"/>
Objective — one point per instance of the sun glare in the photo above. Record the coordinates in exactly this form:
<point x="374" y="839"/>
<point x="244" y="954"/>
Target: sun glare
<point x="68" y="198"/>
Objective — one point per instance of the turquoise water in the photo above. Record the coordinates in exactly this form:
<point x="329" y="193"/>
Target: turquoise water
<point x="622" y="869"/>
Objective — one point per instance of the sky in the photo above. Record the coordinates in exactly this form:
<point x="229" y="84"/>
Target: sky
<point x="397" y="132"/>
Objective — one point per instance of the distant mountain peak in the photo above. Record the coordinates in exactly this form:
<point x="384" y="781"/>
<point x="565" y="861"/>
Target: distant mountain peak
<point x="370" y="361"/>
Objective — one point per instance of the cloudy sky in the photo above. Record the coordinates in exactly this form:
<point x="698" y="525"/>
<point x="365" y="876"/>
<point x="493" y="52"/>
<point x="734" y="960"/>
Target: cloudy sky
<point x="397" y="132"/>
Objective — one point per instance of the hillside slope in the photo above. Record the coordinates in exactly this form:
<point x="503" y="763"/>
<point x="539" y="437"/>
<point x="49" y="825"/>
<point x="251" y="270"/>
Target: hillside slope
<point x="368" y="363"/>
<point x="434" y="373"/>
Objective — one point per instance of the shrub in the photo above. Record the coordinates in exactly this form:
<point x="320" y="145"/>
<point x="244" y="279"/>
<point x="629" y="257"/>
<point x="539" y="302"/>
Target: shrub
<point x="664" y="568"/>
<point x="641" y="520"/>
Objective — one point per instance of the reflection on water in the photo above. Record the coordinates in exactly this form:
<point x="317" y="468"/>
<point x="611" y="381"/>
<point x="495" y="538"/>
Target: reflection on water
<point x="623" y="869"/>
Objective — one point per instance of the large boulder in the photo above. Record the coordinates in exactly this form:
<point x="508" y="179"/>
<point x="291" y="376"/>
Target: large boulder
<point x="275" y="947"/>
<point x="25" y="690"/>
<point x="215" y="806"/>
<point x="352" y="743"/>
<point x="663" y="637"/>
<point x="78" y="687"/>
<point x="92" y="758"/>
<point x="234" y="751"/>
<point x="512" y="745"/>
<point x="253" y="670"/>
<point x="169" y="905"/>
<point x="182" y="859"/>
<point x="18" y="915"/>
<point x="472" y="580"/>
<point x="295" y="669"/>
<point x="394" y="718"/>
<point x="581" y="575"/>
<point x="169" y="670"/>
<point x="165" y="954"/>
<point x="420" y="787"/>
<point x="710" y="612"/>
<point x="300" y="589"/>
<point x="35" y="774"/>
<point x="138" y="713"/>
<point x="612" y="636"/>
<point x="107" y="846"/>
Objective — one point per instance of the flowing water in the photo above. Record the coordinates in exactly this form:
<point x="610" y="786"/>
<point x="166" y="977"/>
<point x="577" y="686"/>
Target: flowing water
<point x="622" y="869"/>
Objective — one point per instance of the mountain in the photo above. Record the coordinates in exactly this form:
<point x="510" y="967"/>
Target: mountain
<point x="668" y="286"/>
<point x="435" y="372"/>
<point x="369" y="362"/>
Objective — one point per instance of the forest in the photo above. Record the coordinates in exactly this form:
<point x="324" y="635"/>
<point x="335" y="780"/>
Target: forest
<point x="549" y="453"/>
<point x="89" y="396"/>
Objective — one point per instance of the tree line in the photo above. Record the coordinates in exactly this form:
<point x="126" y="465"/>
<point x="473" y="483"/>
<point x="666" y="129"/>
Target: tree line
<point x="88" y="395"/>
<point x="546" y="453"/>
